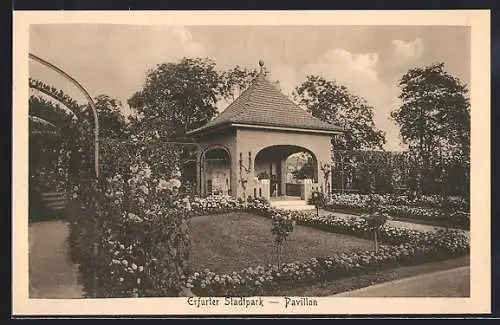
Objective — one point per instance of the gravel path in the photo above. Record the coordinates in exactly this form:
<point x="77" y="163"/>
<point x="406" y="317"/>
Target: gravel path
<point x="449" y="283"/>
<point x="394" y="223"/>
<point x="52" y="275"/>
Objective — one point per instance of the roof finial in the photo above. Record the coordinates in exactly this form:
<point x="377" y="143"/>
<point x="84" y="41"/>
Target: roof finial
<point x="261" y="63"/>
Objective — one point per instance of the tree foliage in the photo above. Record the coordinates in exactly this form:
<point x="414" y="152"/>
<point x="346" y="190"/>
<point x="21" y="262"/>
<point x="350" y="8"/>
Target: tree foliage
<point x="236" y="80"/>
<point x="178" y="97"/>
<point x="112" y="122"/>
<point x="434" y="121"/>
<point x="333" y="103"/>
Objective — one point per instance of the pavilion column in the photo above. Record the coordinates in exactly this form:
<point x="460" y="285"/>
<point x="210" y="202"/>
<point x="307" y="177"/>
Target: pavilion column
<point x="235" y="174"/>
<point x="283" y="173"/>
<point x="199" y="172"/>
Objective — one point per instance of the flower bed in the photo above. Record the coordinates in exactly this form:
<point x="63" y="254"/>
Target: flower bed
<point x="424" y="208"/>
<point x="409" y="247"/>
<point x="215" y="204"/>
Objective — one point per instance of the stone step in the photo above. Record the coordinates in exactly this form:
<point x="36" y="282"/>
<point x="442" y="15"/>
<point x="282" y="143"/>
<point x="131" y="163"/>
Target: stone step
<point x="297" y="207"/>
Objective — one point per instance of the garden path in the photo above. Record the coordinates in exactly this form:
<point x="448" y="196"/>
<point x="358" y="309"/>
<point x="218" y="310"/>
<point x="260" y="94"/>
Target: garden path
<point x="393" y="223"/>
<point x="51" y="273"/>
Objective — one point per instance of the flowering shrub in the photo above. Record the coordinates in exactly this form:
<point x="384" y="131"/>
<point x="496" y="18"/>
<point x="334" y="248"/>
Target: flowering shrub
<point x="143" y="238"/>
<point x="215" y="204"/>
<point x="130" y="233"/>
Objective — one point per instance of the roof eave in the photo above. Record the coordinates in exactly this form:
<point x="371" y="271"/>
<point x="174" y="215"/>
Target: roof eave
<point x="209" y="129"/>
<point x="218" y="127"/>
<point x="288" y="128"/>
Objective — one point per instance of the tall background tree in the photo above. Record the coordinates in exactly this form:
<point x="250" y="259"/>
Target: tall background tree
<point x="237" y="79"/>
<point x="334" y="103"/>
<point x="178" y="97"/>
<point x="434" y="121"/>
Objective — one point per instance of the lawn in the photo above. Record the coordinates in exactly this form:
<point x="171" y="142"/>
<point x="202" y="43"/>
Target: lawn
<point x="235" y="241"/>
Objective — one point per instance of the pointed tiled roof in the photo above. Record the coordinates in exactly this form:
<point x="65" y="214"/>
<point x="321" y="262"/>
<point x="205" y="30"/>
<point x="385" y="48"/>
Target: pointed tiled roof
<point x="262" y="104"/>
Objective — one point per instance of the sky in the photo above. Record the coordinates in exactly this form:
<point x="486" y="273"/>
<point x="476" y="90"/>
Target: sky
<point x="369" y="60"/>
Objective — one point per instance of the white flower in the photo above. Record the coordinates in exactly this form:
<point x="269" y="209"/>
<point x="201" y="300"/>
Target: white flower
<point x="147" y="172"/>
<point x="162" y="185"/>
<point x="176" y="173"/>
<point x="174" y="183"/>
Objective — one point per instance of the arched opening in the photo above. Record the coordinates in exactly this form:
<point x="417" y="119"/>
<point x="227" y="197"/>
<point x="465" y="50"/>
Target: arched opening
<point x="216" y="171"/>
<point x="285" y="166"/>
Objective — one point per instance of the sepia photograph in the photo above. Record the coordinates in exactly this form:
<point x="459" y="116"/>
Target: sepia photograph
<point x="240" y="167"/>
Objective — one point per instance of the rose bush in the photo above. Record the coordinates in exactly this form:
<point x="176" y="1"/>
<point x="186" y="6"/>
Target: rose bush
<point x="129" y="231"/>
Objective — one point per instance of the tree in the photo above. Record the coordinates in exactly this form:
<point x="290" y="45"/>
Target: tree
<point x="319" y="200"/>
<point x="178" y="97"/>
<point x="112" y="122"/>
<point x="333" y="103"/>
<point x="434" y="121"/>
<point x="236" y="80"/>
<point x="304" y="165"/>
<point x="281" y="227"/>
